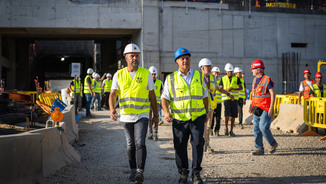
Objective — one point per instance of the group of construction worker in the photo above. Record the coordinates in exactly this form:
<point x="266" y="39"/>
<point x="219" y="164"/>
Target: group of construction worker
<point x="190" y="100"/>
<point x="94" y="88"/>
<point x="311" y="88"/>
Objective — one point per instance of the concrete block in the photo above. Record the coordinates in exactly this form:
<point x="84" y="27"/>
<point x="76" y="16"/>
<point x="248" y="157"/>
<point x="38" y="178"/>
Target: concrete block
<point x="21" y="158"/>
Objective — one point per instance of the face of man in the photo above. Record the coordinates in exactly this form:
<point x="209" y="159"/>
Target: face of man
<point x="239" y="74"/>
<point x="318" y="81"/>
<point x="229" y="74"/>
<point x="216" y="74"/>
<point x="254" y="72"/>
<point x="307" y="76"/>
<point x="132" y="59"/>
<point x="109" y="78"/>
<point x="184" y="62"/>
<point x="206" y="69"/>
<point x="154" y="76"/>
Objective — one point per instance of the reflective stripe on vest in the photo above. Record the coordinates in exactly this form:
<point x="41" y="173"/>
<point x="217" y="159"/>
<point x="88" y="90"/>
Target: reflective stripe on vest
<point x="316" y="90"/>
<point x="133" y="93"/>
<point x="218" y="93"/>
<point x="97" y="86"/>
<point x="261" y="96"/>
<point x="306" y="88"/>
<point x="227" y="84"/>
<point x="242" y="93"/>
<point x="157" y="90"/>
<point x="186" y="101"/>
<point x="86" y="90"/>
<point x="78" y="86"/>
<point x="107" y="85"/>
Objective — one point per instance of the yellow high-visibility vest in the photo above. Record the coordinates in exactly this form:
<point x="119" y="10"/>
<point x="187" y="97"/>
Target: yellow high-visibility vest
<point x="242" y="93"/>
<point x="157" y="90"/>
<point x="133" y="93"/>
<point x="218" y="94"/>
<point x="212" y="87"/>
<point x="316" y="90"/>
<point x="186" y="101"/>
<point x="97" y="86"/>
<point x="107" y="86"/>
<point x="78" y="86"/>
<point x="86" y="90"/>
<point x="227" y="84"/>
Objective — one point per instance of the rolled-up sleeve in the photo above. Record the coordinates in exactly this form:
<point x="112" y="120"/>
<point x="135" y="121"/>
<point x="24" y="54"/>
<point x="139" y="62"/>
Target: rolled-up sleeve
<point x="166" y="93"/>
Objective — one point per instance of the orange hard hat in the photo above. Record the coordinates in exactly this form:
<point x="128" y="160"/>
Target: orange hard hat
<point x="318" y="75"/>
<point x="257" y="64"/>
<point x="306" y="71"/>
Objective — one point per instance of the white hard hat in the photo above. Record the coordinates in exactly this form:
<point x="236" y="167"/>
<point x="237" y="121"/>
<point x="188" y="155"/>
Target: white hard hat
<point x="228" y="67"/>
<point x="204" y="62"/>
<point x="216" y="69"/>
<point x="90" y="71"/>
<point x="97" y="75"/>
<point x="131" y="48"/>
<point x="153" y="70"/>
<point x="237" y="70"/>
<point x="108" y="75"/>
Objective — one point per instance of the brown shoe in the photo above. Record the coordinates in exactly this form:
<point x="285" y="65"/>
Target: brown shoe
<point x="257" y="152"/>
<point x="272" y="148"/>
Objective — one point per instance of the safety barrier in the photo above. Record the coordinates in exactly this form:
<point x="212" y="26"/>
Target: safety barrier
<point x="314" y="114"/>
<point x="289" y="99"/>
<point x="49" y="98"/>
<point x="32" y="93"/>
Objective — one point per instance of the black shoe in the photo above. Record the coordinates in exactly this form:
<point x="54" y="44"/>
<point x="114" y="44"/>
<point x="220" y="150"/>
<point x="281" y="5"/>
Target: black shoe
<point x="212" y="132"/>
<point x="150" y="137"/>
<point x="241" y="126"/>
<point x="139" y="178"/>
<point x="197" y="179"/>
<point x="183" y="177"/>
<point x="89" y="116"/>
<point x="155" y="138"/>
<point x="132" y="175"/>
<point x="226" y="131"/>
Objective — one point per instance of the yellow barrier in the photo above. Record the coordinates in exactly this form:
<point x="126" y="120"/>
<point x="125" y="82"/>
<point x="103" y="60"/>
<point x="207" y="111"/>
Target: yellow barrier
<point x="289" y="99"/>
<point x="32" y="93"/>
<point x="48" y="98"/>
<point x="314" y="114"/>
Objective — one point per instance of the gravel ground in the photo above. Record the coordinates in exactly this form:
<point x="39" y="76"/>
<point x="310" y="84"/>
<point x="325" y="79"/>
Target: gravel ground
<point x="102" y="146"/>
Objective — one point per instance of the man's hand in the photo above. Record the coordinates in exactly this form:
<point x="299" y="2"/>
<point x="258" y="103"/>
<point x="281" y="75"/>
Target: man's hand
<point x="113" y="115"/>
<point x="168" y="117"/>
<point x="244" y="102"/>
<point x="93" y="94"/>
<point x="229" y="89"/>
<point x="250" y="109"/>
<point x="232" y="97"/>
<point x="271" y="111"/>
<point x="155" y="120"/>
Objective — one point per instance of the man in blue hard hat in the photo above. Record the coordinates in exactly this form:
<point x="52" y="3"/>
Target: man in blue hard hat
<point x="185" y="92"/>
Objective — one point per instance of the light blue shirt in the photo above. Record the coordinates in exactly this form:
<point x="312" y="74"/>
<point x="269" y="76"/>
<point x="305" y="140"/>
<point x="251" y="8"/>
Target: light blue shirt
<point x="187" y="78"/>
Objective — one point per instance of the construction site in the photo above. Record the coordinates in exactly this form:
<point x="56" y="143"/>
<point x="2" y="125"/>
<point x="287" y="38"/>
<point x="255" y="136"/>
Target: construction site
<point x="44" y="45"/>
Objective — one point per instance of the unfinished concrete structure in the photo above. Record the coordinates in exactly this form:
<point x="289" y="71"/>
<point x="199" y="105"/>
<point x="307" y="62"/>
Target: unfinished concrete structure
<point x="221" y="32"/>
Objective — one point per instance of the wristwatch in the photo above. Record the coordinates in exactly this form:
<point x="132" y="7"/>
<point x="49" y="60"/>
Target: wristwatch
<point x="228" y="94"/>
<point x="155" y="115"/>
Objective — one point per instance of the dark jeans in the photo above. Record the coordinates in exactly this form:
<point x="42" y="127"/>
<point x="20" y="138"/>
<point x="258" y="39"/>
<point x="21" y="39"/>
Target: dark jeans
<point x="240" y="106"/>
<point x="88" y="103"/>
<point x="181" y="132"/>
<point x="217" y="116"/>
<point x="98" y="98"/>
<point x="106" y="99"/>
<point x="135" y="133"/>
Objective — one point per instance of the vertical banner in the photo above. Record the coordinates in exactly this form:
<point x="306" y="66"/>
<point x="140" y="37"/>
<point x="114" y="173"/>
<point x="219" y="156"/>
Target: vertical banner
<point x="75" y="69"/>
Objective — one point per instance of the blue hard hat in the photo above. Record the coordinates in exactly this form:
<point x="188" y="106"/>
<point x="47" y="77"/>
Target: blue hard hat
<point x="181" y="52"/>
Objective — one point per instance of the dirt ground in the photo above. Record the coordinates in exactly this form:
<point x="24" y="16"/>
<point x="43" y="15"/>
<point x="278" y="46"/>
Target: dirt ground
<point x="102" y="146"/>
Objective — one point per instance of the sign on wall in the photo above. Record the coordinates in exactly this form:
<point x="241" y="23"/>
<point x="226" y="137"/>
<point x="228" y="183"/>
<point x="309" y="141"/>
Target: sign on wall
<point x="75" y="69"/>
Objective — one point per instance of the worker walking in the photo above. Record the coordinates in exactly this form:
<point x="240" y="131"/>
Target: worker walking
<point x="88" y="91"/>
<point x="304" y="89"/>
<point x="106" y="84"/>
<point x="185" y="92"/>
<point x="97" y="91"/>
<point x="152" y="127"/>
<point x="76" y="89"/>
<point x="242" y="95"/>
<point x="217" y="111"/>
<point x="318" y="89"/>
<point x="263" y="97"/>
<point x="231" y="84"/>
<point x="135" y="87"/>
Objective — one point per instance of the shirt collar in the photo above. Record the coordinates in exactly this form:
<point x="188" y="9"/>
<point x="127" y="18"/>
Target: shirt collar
<point x="191" y="71"/>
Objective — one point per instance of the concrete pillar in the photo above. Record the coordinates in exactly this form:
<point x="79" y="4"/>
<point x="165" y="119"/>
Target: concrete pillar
<point x="0" y="47"/>
<point x="11" y="78"/>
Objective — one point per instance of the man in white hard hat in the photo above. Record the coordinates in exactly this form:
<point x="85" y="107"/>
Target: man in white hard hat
<point x="152" y="127"/>
<point x="211" y="84"/>
<point x="106" y="84"/>
<point x="181" y="89"/>
<point x="76" y="89"/>
<point x="231" y="84"/>
<point x="98" y="92"/>
<point x="135" y="87"/>
<point x="242" y="95"/>
<point x="88" y="91"/>
<point x="218" y="109"/>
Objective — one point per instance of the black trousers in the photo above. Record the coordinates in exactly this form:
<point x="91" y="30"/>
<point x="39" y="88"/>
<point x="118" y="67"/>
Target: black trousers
<point x="106" y="99"/>
<point x="240" y="107"/>
<point x="217" y="116"/>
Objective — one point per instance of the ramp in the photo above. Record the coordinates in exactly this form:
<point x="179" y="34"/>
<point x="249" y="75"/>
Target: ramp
<point x="290" y="119"/>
